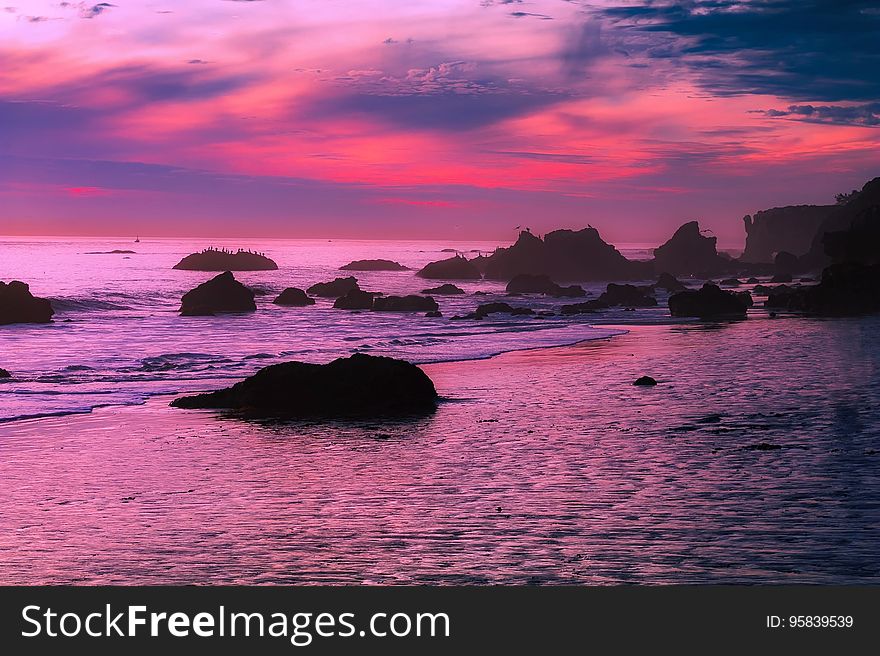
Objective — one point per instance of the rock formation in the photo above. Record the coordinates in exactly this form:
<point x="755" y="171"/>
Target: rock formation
<point x="373" y="265"/>
<point x="355" y="299"/>
<point x="564" y="255"/>
<point x="709" y="302"/>
<point x="689" y="252"/>
<point x="212" y="259"/>
<point x="18" y="305"/>
<point x="669" y="282"/>
<point x="360" y="386"/>
<point x="446" y="289"/>
<point x="335" y="288"/>
<point x="410" y="303"/>
<point x="223" y="293"/>
<point x="846" y="289"/>
<point x="5" y="374"/>
<point x="294" y="297"/>
<point x="526" y="283"/>
<point x="584" y="308"/>
<point x="790" y="229"/>
<point x="626" y="295"/>
<point x="454" y="268"/>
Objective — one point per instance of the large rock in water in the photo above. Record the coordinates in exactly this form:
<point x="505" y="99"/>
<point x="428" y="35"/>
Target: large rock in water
<point x="689" y="252"/>
<point x="670" y="283"/>
<point x="5" y="374"/>
<point x="355" y="299"/>
<point x="564" y="255"/>
<point x="336" y="287"/>
<point x="446" y="289"/>
<point x="373" y="265"/>
<point x="212" y="259"/>
<point x="846" y="289"/>
<point x="18" y="305"/>
<point x="410" y="303"/>
<point x="789" y="229"/>
<point x="709" y="302"/>
<point x="222" y="293"/>
<point x="361" y="386"/>
<point x="627" y="295"/>
<point x="526" y="283"/>
<point x="454" y="268"/>
<point x="293" y="297"/>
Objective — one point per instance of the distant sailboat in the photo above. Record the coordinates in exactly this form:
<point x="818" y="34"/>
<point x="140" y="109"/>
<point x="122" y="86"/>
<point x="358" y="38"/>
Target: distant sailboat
<point x="137" y="240"/>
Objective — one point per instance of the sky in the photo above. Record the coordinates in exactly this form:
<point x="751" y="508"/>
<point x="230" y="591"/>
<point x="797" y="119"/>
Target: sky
<point x="453" y="119"/>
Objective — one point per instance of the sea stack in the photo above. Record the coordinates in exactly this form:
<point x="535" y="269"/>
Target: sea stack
<point x="454" y="268"/>
<point x="18" y="305"/>
<point x="223" y="293"/>
<point x="212" y="259"/>
<point x="362" y="386"/>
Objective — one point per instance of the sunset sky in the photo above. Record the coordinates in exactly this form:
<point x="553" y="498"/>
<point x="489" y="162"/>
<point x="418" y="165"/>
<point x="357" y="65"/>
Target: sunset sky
<point x="441" y="118"/>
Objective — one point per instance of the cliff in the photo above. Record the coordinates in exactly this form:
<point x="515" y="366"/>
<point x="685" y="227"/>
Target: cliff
<point x="789" y="229"/>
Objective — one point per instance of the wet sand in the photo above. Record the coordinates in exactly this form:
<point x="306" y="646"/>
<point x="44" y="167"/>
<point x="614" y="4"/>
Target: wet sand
<point x="754" y="460"/>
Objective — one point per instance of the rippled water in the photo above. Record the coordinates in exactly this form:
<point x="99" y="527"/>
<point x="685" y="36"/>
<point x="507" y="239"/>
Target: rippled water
<point x="117" y="337"/>
<point x="754" y="460"/>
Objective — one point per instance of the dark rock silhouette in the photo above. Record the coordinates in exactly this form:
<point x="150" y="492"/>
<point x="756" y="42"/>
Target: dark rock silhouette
<point x="223" y="293"/>
<point x="410" y="303"/>
<point x="486" y="309"/>
<point x="788" y="229"/>
<point x="708" y="302"/>
<point x="212" y="259"/>
<point x="434" y="314"/>
<point x="446" y="289"/>
<point x="565" y="255"/>
<point x="669" y="282"/>
<point x="584" y="308"/>
<point x="294" y="297"/>
<point x="690" y="252"/>
<point x="851" y="232"/>
<point x="526" y="283"/>
<point x="846" y="289"/>
<point x="626" y="295"/>
<point x="355" y="299"/>
<point x="361" y="386"/>
<point x="782" y="277"/>
<point x="753" y="281"/>
<point x="454" y="268"/>
<point x="5" y="374"/>
<point x="113" y="252"/>
<point x="785" y="262"/>
<point x="645" y="380"/>
<point x="335" y="288"/>
<point x="18" y="305"/>
<point x="731" y="282"/>
<point x="373" y="265"/>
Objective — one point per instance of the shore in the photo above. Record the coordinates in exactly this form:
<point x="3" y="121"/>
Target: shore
<point x="745" y="464"/>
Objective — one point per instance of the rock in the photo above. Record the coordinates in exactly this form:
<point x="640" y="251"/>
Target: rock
<point x="5" y="374"/>
<point x="808" y="280"/>
<point x="788" y="229"/>
<point x="850" y="233"/>
<point x="223" y="293"/>
<point x="627" y="295"/>
<point x="526" y="283"/>
<point x="564" y="254"/>
<point x="846" y="289"/>
<point x="645" y="380"/>
<point x="444" y="290"/>
<point x="373" y="265"/>
<point x="18" y="305"/>
<point x="113" y="252"/>
<point x="410" y="303"/>
<point x="355" y="299"/>
<point x="688" y="251"/>
<point x="335" y="288"/>
<point x="583" y="308"/>
<point x="783" y="296"/>
<point x="752" y="281"/>
<point x="362" y="386"/>
<point x="731" y="282"/>
<point x="786" y="263"/>
<point x="782" y="277"/>
<point x="294" y="297"/>
<point x="434" y="314"/>
<point x="455" y="268"/>
<point x="710" y="301"/>
<point x="212" y="259"/>
<point x="486" y="309"/>
<point x="670" y="283"/>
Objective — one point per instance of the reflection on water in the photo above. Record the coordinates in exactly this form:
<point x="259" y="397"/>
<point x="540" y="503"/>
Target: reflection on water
<point x="754" y="460"/>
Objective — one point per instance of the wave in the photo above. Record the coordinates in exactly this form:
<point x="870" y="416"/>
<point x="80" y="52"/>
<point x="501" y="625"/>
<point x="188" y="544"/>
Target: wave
<point x="85" y="305"/>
